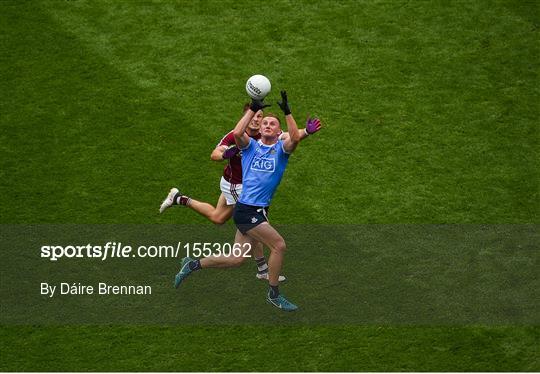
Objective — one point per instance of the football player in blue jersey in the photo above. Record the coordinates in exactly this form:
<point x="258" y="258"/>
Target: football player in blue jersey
<point x="263" y="164"/>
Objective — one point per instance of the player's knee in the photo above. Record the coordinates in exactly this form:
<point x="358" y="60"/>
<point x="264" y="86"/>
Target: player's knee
<point x="218" y="219"/>
<point x="279" y="246"/>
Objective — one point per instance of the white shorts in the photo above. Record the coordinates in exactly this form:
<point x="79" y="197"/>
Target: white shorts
<point x="230" y="191"/>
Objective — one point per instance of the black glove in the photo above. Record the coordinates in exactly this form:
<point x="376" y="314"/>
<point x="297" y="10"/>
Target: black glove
<point x="284" y="103"/>
<point x="257" y="105"/>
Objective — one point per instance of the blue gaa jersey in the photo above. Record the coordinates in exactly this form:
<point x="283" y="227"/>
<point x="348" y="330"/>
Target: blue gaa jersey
<point x="262" y="168"/>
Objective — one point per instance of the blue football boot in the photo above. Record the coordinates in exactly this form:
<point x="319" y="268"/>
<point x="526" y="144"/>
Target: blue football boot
<point x="281" y="302"/>
<point x="184" y="272"/>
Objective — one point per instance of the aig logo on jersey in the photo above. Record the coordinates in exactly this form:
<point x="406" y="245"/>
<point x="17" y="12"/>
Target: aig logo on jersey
<point x="264" y="164"/>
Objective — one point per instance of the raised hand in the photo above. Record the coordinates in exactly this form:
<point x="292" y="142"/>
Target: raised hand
<point x="313" y="125"/>
<point x="284" y="103"/>
<point x="257" y="105"/>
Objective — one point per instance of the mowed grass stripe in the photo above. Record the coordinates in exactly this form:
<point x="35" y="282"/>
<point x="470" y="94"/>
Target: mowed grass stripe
<point x="83" y="140"/>
<point x="244" y="348"/>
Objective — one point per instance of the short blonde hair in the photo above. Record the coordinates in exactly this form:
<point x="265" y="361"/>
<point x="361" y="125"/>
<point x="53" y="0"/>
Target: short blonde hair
<point x="273" y="116"/>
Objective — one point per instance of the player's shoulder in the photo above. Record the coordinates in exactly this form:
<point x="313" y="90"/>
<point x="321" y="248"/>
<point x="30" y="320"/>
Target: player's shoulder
<point x="281" y="147"/>
<point x="252" y="144"/>
<point x="228" y="138"/>
<point x="229" y="135"/>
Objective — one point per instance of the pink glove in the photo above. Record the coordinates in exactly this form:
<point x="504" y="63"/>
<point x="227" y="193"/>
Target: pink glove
<point x="313" y="125"/>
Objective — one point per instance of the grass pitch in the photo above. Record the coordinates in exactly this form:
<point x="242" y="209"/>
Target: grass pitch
<point x="431" y="116"/>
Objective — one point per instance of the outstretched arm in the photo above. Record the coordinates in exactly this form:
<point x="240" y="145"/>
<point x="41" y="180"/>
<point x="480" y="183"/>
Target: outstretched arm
<point x="290" y="143"/>
<point x="222" y="152"/>
<point x="217" y="153"/>
<point x="312" y="126"/>
<point x="225" y="149"/>
<point x="239" y="132"/>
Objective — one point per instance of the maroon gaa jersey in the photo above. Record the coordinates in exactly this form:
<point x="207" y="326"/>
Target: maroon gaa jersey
<point x="233" y="170"/>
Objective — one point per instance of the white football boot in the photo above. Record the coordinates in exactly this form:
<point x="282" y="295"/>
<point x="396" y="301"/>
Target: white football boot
<point x="265" y="277"/>
<point x="168" y="202"/>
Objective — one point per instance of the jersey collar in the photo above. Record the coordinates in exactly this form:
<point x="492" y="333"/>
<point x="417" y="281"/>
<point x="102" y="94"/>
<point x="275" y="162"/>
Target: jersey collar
<point x="266" y="145"/>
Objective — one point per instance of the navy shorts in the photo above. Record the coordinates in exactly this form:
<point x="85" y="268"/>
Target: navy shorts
<point x="247" y="217"/>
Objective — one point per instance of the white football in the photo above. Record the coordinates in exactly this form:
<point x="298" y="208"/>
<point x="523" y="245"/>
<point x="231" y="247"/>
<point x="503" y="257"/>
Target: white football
<point x="258" y="86"/>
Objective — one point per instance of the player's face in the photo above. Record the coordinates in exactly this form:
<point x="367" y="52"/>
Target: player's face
<point x="270" y="126"/>
<point x="255" y="123"/>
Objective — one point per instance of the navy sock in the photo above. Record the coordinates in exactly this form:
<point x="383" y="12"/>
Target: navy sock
<point x="195" y="265"/>
<point x="274" y="291"/>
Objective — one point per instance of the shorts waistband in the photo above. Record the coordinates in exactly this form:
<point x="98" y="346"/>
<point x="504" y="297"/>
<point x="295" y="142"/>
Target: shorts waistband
<point x="251" y="206"/>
